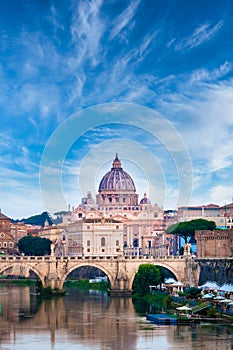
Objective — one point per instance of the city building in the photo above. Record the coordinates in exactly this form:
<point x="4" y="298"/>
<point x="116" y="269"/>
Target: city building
<point x="226" y="211"/>
<point x="7" y="243"/>
<point x="210" y="212"/>
<point x="90" y="236"/>
<point x="18" y="230"/>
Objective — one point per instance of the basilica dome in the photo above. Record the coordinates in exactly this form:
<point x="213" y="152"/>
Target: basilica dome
<point x="117" y="189"/>
<point x="145" y="200"/>
<point x="117" y="179"/>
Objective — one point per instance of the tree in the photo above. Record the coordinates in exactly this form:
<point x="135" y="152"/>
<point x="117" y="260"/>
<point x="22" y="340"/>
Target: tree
<point x="147" y="275"/>
<point x="38" y="246"/>
<point x="192" y="292"/>
<point x="187" y="229"/>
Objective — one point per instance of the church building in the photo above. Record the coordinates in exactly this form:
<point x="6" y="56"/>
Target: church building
<point x="141" y="223"/>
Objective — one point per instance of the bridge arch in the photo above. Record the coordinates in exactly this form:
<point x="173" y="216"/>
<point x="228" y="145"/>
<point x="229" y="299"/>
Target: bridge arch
<point x="164" y="265"/>
<point x="29" y="267"/>
<point x="83" y="264"/>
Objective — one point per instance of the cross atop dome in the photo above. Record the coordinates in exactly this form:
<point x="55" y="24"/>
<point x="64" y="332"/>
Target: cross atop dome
<point x="116" y="163"/>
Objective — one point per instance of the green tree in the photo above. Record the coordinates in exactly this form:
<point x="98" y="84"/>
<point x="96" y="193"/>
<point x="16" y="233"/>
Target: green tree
<point x="38" y="246"/>
<point x="192" y="292"/>
<point x="147" y="275"/>
<point x="187" y="229"/>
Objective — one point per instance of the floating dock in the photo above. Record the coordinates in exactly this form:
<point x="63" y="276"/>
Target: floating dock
<point x="161" y="319"/>
<point x="165" y="319"/>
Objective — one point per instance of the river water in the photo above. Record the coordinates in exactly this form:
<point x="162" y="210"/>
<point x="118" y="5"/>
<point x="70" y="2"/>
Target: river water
<point x="94" y="321"/>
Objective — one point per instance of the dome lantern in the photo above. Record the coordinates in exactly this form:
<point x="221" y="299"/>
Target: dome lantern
<point x="116" y="163"/>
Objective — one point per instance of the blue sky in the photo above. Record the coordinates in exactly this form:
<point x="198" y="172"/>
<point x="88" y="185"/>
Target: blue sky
<point x="60" y="58"/>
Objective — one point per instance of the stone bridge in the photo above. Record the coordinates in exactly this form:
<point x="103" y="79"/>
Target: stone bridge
<point x="120" y="270"/>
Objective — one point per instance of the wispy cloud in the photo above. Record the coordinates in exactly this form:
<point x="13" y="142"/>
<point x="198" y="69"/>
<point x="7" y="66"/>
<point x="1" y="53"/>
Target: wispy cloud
<point x="56" y="19"/>
<point x="200" y="35"/>
<point x="124" y="18"/>
<point x="87" y="28"/>
<point x="223" y="193"/>
<point x="92" y="52"/>
<point x="204" y="75"/>
<point x="202" y="107"/>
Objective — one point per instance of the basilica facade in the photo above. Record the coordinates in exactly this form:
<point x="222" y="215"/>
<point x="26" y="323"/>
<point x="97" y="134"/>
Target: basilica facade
<point x="137" y="226"/>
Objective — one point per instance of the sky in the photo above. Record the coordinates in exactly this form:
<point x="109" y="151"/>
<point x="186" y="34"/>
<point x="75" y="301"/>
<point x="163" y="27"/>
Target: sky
<point x="84" y="80"/>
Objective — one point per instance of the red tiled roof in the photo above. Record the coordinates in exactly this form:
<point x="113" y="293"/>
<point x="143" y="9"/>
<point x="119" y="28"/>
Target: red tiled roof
<point x="3" y="217"/>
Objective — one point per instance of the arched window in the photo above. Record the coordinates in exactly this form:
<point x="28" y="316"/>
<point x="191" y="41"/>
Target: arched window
<point x="102" y="242"/>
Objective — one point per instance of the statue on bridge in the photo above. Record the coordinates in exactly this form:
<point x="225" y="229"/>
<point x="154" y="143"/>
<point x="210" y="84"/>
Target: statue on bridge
<point x="187" y="249"/>
<point x="52" y="247"/>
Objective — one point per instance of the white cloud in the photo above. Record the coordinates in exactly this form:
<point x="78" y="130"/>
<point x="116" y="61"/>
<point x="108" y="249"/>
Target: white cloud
<point x="124" y="18"/>
<point x="221" y="194"/>
<point x="87" y="28"/>
<point x="205" y="75"/>
<point x="55" y="18"/>
<point x="21" y="196"/>
<point x="200" y="35"/>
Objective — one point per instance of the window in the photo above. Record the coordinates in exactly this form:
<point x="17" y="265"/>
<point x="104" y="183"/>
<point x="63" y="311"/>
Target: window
<point x="117" y="227"/>
<point x="4" y="245"/>
<point x="80" y="215"/>
<point x="117" y="242"/>
<point x="102" y="242"/>
<point x="88" y="250"/>
<point x="11" y="245"/>
<point x="88" y="243"/>
<point x="88" y="227"/>
<point x="2" y="235"/>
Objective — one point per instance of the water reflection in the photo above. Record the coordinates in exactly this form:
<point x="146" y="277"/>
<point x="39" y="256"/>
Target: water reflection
<point x="87" y="318"/>
<point x="93" y="321"/>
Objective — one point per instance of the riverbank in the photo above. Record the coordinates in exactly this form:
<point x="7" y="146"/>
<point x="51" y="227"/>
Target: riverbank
<point x="81" y="284"/>
<point x="165" y="304"/>
<point x="84" y="284"/>
<point x="19" y="282"/>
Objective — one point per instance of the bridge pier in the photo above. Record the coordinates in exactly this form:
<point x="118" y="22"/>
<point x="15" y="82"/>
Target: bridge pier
<point x="52" y="280"/>
<point x="120" y="288"/>
<point x="121" y="285"/>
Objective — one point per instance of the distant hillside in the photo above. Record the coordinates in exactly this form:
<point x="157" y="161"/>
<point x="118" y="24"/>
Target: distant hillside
<point x="38" y="219"/>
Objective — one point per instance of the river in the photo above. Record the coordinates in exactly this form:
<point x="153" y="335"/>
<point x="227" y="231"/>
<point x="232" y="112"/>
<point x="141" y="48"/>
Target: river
<point x="94" y="321"/>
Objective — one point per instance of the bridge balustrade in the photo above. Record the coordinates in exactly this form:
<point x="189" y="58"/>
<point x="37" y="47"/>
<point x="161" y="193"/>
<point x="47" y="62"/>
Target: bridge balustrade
<point x="100" y="257"/>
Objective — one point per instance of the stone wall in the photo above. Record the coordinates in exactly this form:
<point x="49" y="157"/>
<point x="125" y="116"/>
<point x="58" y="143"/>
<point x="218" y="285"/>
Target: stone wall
<point x="217" y="243"/>
<point x="219" y="271"/>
